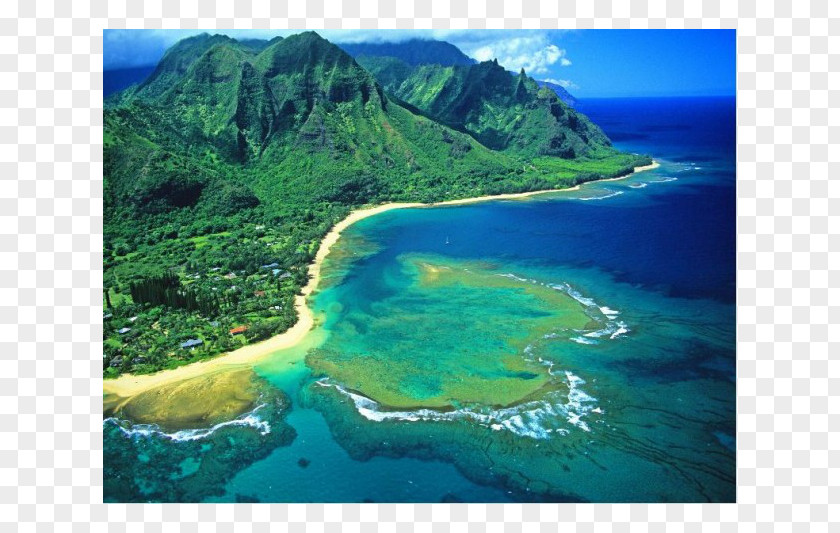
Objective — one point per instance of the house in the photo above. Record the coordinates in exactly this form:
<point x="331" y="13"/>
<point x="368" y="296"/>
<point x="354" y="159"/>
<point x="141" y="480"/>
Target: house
<point x="259" y="294"/>
<point x="192" y="343"/>
<point x="239" y="329"/>
<point x="284" y="275"/>
<point x="232" y="275"/>
<point x="272" y="265"/>
<point x="123" y="330"/>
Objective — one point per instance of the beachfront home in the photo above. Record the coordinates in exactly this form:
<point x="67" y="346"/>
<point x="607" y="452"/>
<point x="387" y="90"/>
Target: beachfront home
<point x="272" y="265"/>
<point x="192" y="343"/>
<point x="239" y="329"/>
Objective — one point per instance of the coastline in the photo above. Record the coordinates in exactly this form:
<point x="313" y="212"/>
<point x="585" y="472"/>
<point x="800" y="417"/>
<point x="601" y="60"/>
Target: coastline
<point x="129" y="385"/>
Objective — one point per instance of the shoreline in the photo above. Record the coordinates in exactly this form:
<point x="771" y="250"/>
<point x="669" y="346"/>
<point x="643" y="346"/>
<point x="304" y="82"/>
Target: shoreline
<point x="128" y="385"/>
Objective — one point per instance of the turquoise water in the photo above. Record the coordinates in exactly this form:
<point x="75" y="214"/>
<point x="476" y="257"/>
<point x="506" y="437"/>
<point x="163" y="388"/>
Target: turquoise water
<point x="572" y="347"/>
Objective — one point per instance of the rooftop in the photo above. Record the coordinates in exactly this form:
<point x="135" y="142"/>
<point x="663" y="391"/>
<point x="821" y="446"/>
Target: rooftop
<point x="192" y="342"/>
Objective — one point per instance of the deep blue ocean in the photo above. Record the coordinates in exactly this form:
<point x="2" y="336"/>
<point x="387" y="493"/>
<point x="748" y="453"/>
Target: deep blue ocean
<point x="655" y="253"/>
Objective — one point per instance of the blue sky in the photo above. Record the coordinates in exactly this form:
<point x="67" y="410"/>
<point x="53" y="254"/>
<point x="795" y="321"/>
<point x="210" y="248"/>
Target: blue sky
<point x="589" y="63"/>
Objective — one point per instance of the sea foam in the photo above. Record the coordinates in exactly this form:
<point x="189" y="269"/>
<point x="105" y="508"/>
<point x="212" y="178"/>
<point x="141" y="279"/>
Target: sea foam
<point x="611" y="327"/>
<point x="251" y="419"/>
<point x="536" y="419"/>
<point x="604" y="197"/>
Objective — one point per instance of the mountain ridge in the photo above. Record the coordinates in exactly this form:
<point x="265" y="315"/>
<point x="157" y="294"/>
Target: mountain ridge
<point x="413" y="51"/>
<point x="501" y="111"/>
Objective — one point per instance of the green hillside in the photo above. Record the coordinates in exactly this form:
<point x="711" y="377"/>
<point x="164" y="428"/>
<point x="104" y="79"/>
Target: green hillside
<point x="503" y="112"/>
<point x="227" y="166"/>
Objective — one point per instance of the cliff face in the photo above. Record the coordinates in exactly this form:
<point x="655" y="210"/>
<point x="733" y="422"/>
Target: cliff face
<point x="501" y="111"/>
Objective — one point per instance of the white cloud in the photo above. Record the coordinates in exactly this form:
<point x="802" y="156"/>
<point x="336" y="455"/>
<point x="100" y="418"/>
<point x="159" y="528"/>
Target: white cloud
<point x="531" y="51"/>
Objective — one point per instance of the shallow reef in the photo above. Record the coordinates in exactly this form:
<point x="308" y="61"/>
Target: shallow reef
<point x="414" y="349"/>
<point x="564" y="466"/>
<point x="198" y="402"/>
<point x="144" y="462"/>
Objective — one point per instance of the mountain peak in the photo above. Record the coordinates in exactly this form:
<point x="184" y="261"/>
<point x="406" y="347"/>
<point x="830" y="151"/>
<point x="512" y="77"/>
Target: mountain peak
<point x="177" y="61"/>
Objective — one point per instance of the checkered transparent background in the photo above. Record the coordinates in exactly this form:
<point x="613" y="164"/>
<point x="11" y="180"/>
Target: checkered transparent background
<point x="51" y="260"/>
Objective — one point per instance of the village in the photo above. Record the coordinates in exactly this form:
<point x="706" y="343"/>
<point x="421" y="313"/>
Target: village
<point x="142" y="338"/>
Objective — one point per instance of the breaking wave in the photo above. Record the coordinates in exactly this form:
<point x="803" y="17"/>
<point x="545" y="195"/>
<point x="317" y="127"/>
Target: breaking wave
<point x="557" y="413"/>
<point x="604" y="197"/>
<point x="611" y="327"/>
<point x="130" y="429"/>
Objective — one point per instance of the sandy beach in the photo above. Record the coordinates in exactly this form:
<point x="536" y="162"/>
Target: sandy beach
<point x="129" y="385"/>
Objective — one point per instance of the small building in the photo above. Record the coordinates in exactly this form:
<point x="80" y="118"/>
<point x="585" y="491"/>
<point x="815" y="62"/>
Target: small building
<point x="259" y="294"/>
<point x="284" y="275"/>
<point x="272" y="265"/>
<point x="192" y="343"/>
<point x="132" y="319"/>
<point x="232" y="275"/>
<point x="238" y="329"/>
<point x="122" y="331"/>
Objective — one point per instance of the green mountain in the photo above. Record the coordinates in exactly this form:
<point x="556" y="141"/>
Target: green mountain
<point x="225" y="168"/>
<point x="561" y="92"/>
<point x="177" y="61"/>
<point x="502" y="112"/>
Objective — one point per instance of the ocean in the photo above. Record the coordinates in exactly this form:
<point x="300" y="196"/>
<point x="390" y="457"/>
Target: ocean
<point x="576" y="346"/>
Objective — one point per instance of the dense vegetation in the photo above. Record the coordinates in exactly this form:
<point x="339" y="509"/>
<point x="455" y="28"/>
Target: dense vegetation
<point x="225" y="168"/>
<point x="501" y="111"/>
